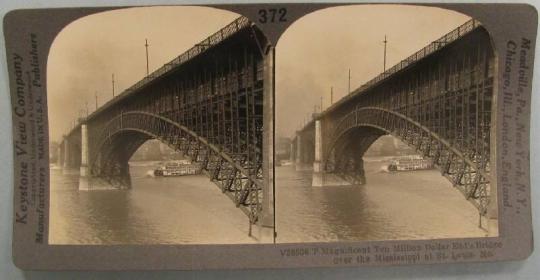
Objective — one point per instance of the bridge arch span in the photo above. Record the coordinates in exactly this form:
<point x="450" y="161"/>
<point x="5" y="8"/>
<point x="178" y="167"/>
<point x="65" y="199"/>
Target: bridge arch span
<point x="125" y="133"/>
<point x="210" y="102"/>
<point x="347" y="151"/>
<point x="440" y="98"/>
<point x="110" y="161"/>
<point x="353" y="135"/>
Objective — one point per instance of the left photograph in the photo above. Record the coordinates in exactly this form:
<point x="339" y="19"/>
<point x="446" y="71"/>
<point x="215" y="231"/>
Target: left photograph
<point x="160" y="129"/>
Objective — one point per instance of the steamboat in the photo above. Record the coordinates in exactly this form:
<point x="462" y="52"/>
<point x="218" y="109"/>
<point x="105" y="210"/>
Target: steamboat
<point x="410" y="163"/>
<point x="177" y="168"/>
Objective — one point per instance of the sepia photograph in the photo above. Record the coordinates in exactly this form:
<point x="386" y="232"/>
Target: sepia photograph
<point x="157" y="125"/>
<point x="264" y="136"/>
<point x="384" y="126"/>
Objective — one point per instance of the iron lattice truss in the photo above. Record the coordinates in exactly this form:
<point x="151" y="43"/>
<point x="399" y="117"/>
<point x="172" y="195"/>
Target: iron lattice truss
<point x="438" y="101"/>
<point x="207" y="103"/>
<point x="468" y="175"/>
<point x="235" y="174"/>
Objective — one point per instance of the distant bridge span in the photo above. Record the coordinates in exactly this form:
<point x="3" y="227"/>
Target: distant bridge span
<point x="441" y="101"/>
<point x="207" y="103"/>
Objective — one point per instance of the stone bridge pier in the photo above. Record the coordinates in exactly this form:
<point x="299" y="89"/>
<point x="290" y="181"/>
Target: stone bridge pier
<point x="309" y="153"/>
<point x="325" y="171"/>
<point x="213" y="104"/>
<point x="104" y="173"/>
<point x="83" y="176"/>
<point x="68" y="155"/>
<point x="441" y="101"/>
<point x="74" y="154"/>
<point x="303" y="151"/>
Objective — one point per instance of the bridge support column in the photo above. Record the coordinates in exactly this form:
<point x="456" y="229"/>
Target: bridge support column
<point x="317" y="164"/>
<point x="292" y="153"/>
<point x="321" y="178"/>
<point x="66" y="163"/>
<point x="492" y="214"/>
<point x="264" y="230"/>
<point x="317" y="167"/>
<point x="300" y="158"/>
<point x="359" y="170"/>
<point x="113" y="176"/>
<point x="59" y="158"/>
<point x="84" y="180"/>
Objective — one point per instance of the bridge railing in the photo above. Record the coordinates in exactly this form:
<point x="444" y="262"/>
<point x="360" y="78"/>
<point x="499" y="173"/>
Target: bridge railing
<point x="210" y="41"/>
<point x="434" y="46"/>
<point x="468" y="175"/>
<point x="214" y="39"/>
<point x="236" y="176"/>
<point x="450" y="37"/>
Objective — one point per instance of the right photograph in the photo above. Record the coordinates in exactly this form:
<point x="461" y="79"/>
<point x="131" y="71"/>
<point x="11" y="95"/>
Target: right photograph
<point x="385" y="126"/>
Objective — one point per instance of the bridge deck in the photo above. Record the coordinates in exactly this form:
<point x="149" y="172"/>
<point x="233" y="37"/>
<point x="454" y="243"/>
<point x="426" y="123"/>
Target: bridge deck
<point x="215" y="39"/>
<point x="404" y="64"/>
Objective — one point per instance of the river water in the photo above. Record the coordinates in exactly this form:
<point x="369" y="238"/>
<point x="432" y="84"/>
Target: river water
<point x="192" y="210"/>
<point x="157" y="210"/>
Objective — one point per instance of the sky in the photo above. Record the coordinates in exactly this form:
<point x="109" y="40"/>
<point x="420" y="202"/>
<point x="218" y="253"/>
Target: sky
<point x="88" y="51"/>
<point x="314" y="54"/>
<point x="317" y="51"/>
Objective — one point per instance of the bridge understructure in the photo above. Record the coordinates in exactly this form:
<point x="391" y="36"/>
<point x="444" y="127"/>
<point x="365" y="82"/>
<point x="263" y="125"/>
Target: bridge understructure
<point x="210" y="104"/>
<point x="439" y="101"/>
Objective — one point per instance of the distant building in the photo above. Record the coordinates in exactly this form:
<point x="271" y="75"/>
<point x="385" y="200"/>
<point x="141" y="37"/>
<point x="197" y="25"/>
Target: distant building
<point x="53" y="151"/>
<point x="155" y="150"/>
<point x="283" y="148"/>
<point x="389" y="145"/>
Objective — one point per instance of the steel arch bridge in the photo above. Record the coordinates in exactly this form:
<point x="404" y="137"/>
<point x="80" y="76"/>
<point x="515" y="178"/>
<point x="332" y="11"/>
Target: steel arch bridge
<point x="208" y="104"/>
<point x="232" y="173"/>
<point x="439" y="101"/>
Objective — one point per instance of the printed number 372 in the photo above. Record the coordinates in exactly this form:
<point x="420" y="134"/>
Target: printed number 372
<point x="272" y="15"/>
